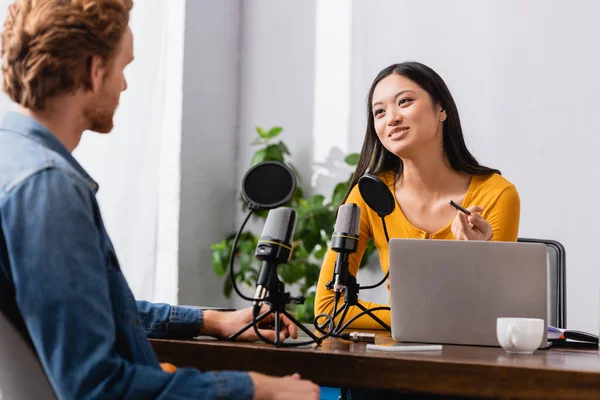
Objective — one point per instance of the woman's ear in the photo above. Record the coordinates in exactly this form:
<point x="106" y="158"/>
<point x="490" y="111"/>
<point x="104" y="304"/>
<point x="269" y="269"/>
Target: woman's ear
<point x="443" y="115"/>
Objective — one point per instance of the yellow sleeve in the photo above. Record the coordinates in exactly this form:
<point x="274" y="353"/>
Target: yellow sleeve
<point x="324" y="298"/>
<point x="504" y="216"/>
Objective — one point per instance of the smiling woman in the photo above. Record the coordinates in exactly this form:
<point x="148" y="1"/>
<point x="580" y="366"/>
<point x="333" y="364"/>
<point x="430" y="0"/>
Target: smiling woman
<point x="414" y="144"/>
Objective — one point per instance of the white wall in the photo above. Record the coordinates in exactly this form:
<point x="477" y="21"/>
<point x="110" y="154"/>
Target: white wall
<point x="277" y="76"/>
<point x="276" y="85"/>
<point x="525" y="77"/>
<point x="209" y="142"/>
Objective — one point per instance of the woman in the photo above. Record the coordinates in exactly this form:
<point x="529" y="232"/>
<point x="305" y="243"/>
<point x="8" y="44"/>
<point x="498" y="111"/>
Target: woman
<point x="414" y="143"/>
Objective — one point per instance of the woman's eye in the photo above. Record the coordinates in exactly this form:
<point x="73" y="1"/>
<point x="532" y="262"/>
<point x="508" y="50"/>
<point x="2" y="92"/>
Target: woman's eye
<point x="404" y="101"/>
<point x="377" y="112"/>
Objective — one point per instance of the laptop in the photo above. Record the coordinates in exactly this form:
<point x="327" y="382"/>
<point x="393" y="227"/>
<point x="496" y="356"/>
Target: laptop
<point x="452" y="291"/>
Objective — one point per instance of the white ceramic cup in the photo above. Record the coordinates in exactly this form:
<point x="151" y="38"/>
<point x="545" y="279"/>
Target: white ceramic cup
<point x="520" y="335"/>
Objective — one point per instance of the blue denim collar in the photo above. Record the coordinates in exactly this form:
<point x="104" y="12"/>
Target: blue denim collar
<point x="29" y="127"/>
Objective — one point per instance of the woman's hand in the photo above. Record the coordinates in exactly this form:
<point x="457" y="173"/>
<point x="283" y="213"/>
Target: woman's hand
<point x="471" y="227"/>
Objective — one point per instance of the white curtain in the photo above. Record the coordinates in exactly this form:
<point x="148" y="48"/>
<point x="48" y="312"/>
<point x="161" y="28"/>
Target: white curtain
<point x="139" y="182"/>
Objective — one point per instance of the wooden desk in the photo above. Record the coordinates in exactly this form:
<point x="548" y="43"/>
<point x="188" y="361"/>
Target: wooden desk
<point x="456" y="370"/>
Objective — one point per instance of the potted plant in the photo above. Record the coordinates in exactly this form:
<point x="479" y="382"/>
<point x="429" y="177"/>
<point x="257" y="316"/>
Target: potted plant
<point x="314" y="226"/>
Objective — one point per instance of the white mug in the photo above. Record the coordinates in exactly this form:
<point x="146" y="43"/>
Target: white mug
<point x="520" y="335"/>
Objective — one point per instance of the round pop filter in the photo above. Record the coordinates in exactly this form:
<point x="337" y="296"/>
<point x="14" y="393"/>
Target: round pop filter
<point x="376" y="194"/>
<point x="268" y="185"/>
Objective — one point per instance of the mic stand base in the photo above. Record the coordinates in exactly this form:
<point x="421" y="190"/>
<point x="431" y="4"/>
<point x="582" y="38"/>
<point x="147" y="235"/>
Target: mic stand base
<point x="277" y="301"/>
<point x="351" y="300"/>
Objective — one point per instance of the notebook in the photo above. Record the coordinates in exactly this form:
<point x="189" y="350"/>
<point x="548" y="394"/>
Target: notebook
<point x="571" y="338"/>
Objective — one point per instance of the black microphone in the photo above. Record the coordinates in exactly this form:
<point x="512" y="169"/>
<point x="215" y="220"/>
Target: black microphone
<point x="344" y="241"/>
<point x="274" y="248"/>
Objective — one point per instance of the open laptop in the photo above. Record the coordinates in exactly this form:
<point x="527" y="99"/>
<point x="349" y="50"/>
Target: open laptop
<point x="452" y="291"/>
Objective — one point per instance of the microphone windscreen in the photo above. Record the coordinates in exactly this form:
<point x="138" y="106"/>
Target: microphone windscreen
<point x="269" y="185"/>
<point x="348" y="219"/>
<point x="376" y="194"/>
<point x="280" y="225"/>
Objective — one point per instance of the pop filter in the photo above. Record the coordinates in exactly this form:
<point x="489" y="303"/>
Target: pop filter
<point x="268" y="185"/>
<point x="376" y="194"/>
<point x="380" y="199"/>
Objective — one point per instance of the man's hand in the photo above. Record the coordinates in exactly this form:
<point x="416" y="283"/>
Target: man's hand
<point x="471" y="227"/>
<point x="287" y="388"/>
<point x="224" y="324"/>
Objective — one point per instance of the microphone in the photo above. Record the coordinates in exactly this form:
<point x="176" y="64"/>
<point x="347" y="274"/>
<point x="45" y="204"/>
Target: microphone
<point x="274" y="248"/>
<point x="344" y="241"/>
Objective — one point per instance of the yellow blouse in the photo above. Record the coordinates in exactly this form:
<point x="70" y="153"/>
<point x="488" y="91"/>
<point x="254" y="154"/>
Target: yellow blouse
<point x="501" y="208"/>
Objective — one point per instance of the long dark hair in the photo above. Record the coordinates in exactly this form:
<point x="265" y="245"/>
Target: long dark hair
<point x="376" y="158"/>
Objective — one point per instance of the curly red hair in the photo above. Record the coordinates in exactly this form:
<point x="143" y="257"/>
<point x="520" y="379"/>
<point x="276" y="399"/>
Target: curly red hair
<point x="47" y="45"/>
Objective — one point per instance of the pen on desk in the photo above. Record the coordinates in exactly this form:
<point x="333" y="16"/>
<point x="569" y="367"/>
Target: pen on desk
<point x="459" y="207"/>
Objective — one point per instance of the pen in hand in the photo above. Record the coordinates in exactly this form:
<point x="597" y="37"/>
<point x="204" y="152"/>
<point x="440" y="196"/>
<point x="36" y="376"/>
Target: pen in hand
<point x="459" y="207"/>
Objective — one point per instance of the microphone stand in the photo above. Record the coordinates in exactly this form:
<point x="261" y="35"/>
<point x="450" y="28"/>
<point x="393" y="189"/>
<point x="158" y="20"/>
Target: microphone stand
<point x="351" y="289"/>
<point x="277" y="299"/>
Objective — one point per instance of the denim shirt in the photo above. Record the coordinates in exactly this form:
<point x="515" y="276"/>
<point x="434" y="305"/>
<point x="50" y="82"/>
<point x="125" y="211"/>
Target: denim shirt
<point x="62" y="286"/>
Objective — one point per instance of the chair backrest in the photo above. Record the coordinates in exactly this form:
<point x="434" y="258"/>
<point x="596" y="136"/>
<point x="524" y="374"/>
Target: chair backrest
<point x="21" y="374"/>
<point x="557" y="285"/>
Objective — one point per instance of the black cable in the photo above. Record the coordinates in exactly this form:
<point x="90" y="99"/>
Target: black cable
<point x="295" y="344"/>
<point x="360" y="314"/>
<point x="345" y="326"/>
<point x="232" y="259"/>
<point x="387" y="238"/>
<point x="387" y="274"/>
<point x="330" y="317"/>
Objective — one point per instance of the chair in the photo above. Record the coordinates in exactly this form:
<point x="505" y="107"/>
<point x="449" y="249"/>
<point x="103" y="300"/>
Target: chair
<point x="21" y="374"/>
<point x="557" y="286"/>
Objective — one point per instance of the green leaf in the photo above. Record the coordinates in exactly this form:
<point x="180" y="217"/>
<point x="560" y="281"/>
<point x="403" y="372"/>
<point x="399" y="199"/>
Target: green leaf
<point x="367" y="254"/>
<point x="291" y="273"/>
<point x="247" y="245"/>
<point x="227" y="287"/>
<point x="316" y="200"/>
<point x="262" y="133"/>
<point x="262" y="214"/>
<point x="247" y="262"/>
<point x="297" y="197"/>
<point x="300" y="252"/>
<point x="273" y="153"/>
<point x="312" y="274"/>
<point x="284" y="148"/>
<point x="221" y="252"/>
<point x="305" y="312"/>
<point x="338" y="194"/>
<point x="273" y="132"/>
<point x="352" y="159"/>
<point x="320" y="253"/>
<point x="259" y="156"/>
